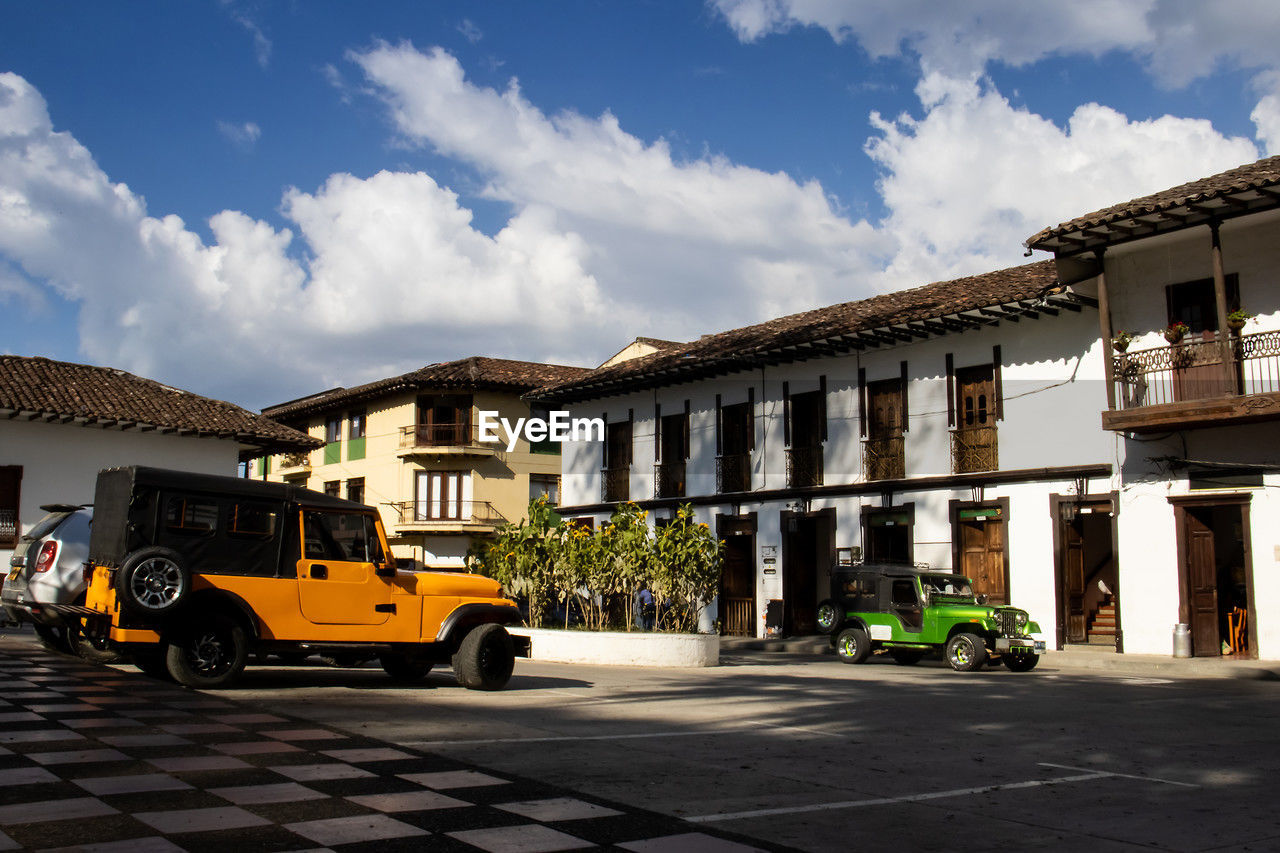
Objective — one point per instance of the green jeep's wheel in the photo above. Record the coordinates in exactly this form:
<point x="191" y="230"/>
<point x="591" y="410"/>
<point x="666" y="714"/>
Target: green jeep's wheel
<point x="403" y="668"/>
<point x="211" y="653"/>
<point x="485" y="659"/>
<point x="966" y="652"/>
<point x="907" y="657"/>
<point x="1020" y="661"/>
<point x="852" y="645"/>
<point x="828" y="616"/>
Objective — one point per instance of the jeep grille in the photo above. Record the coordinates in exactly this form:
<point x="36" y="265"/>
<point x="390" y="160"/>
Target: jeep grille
<point x="1009" y="620"/>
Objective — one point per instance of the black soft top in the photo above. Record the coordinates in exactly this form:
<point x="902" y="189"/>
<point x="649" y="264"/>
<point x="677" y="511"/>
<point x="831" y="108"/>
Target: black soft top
<point x="123" y="493"/>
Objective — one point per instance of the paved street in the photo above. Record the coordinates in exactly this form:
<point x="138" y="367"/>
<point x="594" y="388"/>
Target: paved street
<point x="783" y="751"/>
<point x="816" y="755"/>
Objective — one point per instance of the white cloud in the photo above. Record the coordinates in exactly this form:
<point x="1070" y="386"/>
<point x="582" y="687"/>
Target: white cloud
<point x="659" y="229"/>
<point x="1179" y="40"/>
<point x="240" y="135"/>
<point x="975" y="176"/>
<point x="394" y="276"/>
<point x="261" y="44"/>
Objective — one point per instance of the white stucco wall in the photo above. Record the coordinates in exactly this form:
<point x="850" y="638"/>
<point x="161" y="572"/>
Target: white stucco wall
<point x="60" y="462"/>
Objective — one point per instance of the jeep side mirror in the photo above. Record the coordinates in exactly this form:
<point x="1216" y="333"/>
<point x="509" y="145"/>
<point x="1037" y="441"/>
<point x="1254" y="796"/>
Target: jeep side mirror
<point x="982" y="599"/>
<point x="383" y="570"/>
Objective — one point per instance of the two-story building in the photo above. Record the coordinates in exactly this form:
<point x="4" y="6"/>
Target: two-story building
<point x="412" y="446"/>
<point x="1196" y="412"/>
<point x="937" y="425"/>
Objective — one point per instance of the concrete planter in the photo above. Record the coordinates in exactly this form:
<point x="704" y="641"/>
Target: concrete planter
<point x="619" y="648"/>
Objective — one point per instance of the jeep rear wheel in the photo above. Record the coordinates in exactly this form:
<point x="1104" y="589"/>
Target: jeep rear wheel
<point x="907" y="657"/>
<point x="852" y="645"/>
<point x="1021" y="661"/>
<point x="210" y="654"/>
<point x="403" y="668"/>
<point x="828" y="616"/>
<point x="485" y="659"/>
<point x="153" y="581"/>
<point x="966" y="652"/>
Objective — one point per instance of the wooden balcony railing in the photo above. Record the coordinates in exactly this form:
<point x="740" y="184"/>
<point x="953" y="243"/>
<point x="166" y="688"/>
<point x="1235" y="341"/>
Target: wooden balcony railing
<point x="448" y="513"/>
<point x="440" y="435"/>
<point x="8" y="528"/>
<point x="804" y="466"/>
<point x="295" y="460"/>
<point x="738" y="618"/>
<point x="615" y="484"/>
<point x="974" y="449"/>
<point x="1198" y="370"/>
<point x="733" y="473"/>
<point x="668" y="480"/>
<point x="884" y="458"/>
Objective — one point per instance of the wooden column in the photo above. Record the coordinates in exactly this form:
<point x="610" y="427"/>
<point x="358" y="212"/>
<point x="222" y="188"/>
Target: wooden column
<point x="1220" y="302"/>
<point x="1104" y="326"/>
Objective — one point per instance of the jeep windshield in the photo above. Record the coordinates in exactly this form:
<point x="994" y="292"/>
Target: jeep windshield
<point x="948" y="587"/>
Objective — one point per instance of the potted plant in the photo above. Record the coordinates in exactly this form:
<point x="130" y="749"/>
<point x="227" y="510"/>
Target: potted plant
<point x="1176" y="331"/>
<point x="1122" y="339"/>
<point x="1237" y="318"/>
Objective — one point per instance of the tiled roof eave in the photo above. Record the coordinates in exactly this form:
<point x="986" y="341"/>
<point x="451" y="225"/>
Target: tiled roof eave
<point x="123" y="424"/>
<point x="1143" y="219"/>
<point x="833" y="344"/>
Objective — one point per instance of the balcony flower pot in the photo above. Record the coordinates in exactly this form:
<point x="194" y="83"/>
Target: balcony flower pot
<point x="1176" y="332"/>
<point x="1121" y="341"/>
<point x="1237" y="319"/>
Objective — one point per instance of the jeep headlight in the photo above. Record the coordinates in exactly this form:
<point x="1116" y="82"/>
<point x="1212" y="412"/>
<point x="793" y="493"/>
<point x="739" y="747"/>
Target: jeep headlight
<point x="1021" y="621"/>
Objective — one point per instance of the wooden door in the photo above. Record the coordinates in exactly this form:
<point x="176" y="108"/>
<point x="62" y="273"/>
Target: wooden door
<point x="1202" y="583"/>
<point x="738" y="587"/>
<point x="440" y="496"/>
<point x="1073" y="587"/>
<point x="884" y="400"/>
<point x="799" y="582"/>
<point x="975" y="441"/>
<point x="982" y="557"/>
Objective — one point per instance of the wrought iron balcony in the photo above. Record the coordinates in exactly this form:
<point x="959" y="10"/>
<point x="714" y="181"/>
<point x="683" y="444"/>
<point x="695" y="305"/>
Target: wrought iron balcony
<point x="295" y="460"/>
<point x="884" y="458"/>
<point x="668" y="480"/>
<point x="974" y="449"/>
<point x="1197" y="383"/>
<point x="615" y="484"/>
<point x="448" y="514"/>
<point x="454" y="438"/>
<point x="804" y="466"/>
<point x="733" y="473"/>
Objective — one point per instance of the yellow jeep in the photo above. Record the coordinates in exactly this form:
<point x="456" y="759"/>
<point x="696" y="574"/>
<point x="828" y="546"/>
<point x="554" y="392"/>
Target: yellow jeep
<point x="191" y="573"/>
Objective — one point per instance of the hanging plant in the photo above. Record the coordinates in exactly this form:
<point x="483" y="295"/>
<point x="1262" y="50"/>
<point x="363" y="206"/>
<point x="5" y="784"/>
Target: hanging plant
<point x="1237" y="319"/>
<point x="1122" y="340"/>
<point x="1176" y="332"/>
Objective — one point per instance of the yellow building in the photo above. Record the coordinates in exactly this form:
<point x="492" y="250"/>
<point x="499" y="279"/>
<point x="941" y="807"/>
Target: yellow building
<point x="413" y="446"/>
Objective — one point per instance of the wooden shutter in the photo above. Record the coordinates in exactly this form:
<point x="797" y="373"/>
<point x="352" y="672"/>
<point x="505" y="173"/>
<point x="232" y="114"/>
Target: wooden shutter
<point x="719" y="439"/>
<point x="657" y="432"/>
<point x="786" y="414"/>
<point x="905" y="411"/>
<point x="822" y="410"/>
<point x="999" y="386"/>
<point x="685" y="438"/>
<point x="951" y="390"/>
<point x="862" y="401"/>
<point x="751" y="418"/>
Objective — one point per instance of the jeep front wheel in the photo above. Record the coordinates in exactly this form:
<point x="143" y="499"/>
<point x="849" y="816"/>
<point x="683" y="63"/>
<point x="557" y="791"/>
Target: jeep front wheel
<point x="153" y="581"/>
<point x="852" y="645"/>
<point x="210" y="654"/>
<point x="1020" y="661"/>
<point x="828" y="616"/>
<point x="485" y="659"/>
<point x="966" y="652"/>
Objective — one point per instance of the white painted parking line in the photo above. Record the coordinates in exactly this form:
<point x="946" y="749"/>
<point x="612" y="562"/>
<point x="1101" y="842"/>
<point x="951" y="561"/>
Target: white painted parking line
<point x="909" y="798"/>
<point x="1120" y="775"/>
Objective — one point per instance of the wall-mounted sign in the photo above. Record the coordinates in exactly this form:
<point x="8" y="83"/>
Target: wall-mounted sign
<point x="769" y="552"/>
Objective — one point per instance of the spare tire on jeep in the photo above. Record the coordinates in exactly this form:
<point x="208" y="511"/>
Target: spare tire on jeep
<point x="153" y="581"/>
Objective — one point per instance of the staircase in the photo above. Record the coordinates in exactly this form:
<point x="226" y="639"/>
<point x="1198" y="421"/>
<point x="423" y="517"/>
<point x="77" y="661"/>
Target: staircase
<point x="1102" y="623"/>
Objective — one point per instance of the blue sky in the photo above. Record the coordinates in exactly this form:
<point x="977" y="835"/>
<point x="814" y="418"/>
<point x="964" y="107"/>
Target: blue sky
<point x="255" y="201"/>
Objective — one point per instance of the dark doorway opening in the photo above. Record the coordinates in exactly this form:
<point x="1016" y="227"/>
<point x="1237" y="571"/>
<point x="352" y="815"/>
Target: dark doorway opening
<point x="1087" y="575"/>
<point x="887" y="535"/>
<point x="1216" y="575"/>
<point x="737" y="604"/>
<point x="808" y="553"/>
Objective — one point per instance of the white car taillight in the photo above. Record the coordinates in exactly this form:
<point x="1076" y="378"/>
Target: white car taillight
<point x="48" y="556"/>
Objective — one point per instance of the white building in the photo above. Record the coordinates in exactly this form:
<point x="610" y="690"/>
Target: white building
<point x="1196" y="422"/>
<point x="939" y="425"/>
<point x="60" y="423"/>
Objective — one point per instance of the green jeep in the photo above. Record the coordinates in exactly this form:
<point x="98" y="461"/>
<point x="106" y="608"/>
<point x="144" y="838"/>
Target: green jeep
<point x="910" y="613"/>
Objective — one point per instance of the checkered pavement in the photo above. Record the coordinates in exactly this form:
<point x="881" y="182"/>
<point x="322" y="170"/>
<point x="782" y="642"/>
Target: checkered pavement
<point x="93" y="758"/>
